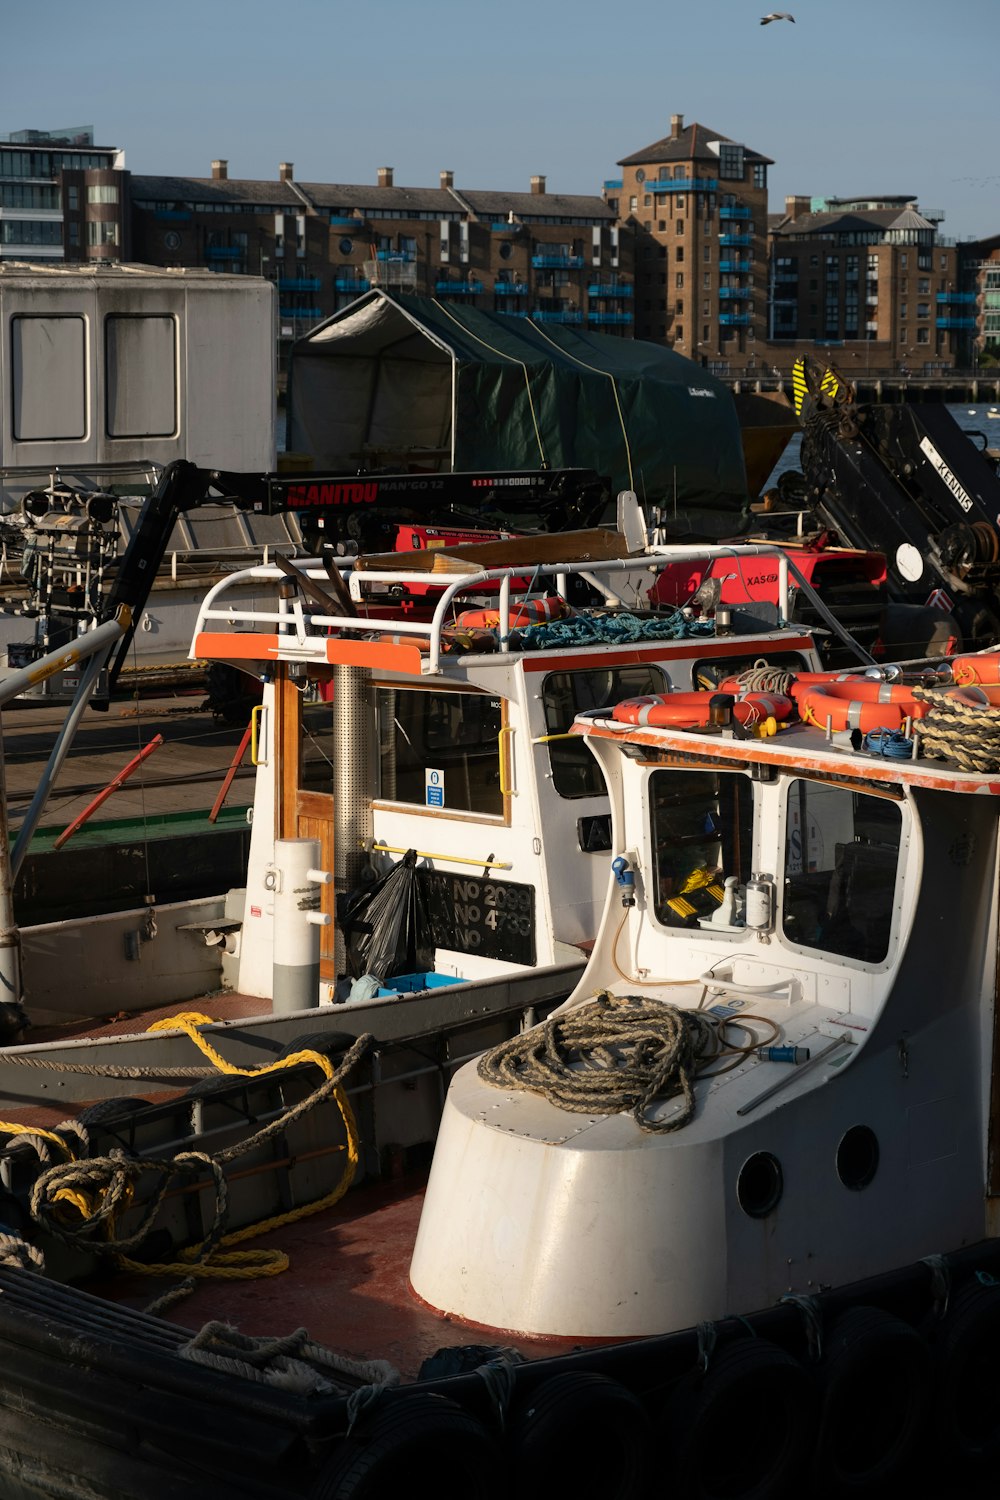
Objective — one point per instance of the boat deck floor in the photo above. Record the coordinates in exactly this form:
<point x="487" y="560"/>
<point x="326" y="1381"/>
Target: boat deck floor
<point x="347" y="1284"/>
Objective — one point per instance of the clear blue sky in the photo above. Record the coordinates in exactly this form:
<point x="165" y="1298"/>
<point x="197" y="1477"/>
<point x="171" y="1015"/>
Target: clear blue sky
<point x="858" y="97"/>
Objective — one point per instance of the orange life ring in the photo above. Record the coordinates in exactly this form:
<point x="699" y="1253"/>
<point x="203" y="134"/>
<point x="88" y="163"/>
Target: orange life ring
<point x="751" y="709"/>
<point x="968" y="669"/>
<point x="858" y="703"/>
<point x="666" y="711"/>
<point x="520" y="612"/>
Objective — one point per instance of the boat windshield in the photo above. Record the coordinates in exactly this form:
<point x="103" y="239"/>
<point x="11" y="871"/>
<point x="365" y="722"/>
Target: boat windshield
<point x="440" y="749"/>
<point x="702" y="827"/>
<point x="575" y="772"/>
<point x="841" y="857"/>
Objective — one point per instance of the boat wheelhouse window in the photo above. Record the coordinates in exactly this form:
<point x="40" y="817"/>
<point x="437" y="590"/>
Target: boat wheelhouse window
<point x="702" y="833"/>
<point x="841" y="858"/>
<point x="440" y="750"/>
<point x="575" y="772"/>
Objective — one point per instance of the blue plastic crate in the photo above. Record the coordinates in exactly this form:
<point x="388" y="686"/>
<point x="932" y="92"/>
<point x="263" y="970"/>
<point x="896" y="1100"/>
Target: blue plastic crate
<point x="409" y="983"/>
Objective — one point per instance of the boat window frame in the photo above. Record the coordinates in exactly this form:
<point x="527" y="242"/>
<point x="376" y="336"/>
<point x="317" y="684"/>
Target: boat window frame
<point x="504" y="755"/>
<point x="857" y="786"/>
<point x="714" y="768"/>
<point x="566" y="735"/>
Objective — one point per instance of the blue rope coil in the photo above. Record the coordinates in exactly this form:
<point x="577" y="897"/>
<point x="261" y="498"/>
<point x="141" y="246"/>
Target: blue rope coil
<point x="589" y="630"/>
<point x="892" y="744"/>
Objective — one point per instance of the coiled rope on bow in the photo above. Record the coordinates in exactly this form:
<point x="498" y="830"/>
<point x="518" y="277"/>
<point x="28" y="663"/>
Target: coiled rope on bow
<point x="763" y="678"/>
<point x="101" y="1189"/>
<point x="964" y="734"/>
<point x="617" y="1054"/>
<point x="591" y="629"/>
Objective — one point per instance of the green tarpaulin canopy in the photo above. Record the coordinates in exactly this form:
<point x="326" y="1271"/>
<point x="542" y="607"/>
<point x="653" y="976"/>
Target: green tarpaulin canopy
<point x="395" y="380"/>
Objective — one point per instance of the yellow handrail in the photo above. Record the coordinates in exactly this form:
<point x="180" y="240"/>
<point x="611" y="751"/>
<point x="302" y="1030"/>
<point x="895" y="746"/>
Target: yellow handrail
<point x="456" y="859"/>
<point x="506" y="789"/>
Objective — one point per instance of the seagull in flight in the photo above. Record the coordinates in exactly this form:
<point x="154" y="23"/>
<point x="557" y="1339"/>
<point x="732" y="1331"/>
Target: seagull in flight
<point x="777" y="15"/>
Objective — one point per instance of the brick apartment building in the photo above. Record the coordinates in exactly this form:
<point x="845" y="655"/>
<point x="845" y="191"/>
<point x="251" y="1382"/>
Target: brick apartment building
<point x="871" y="275"/>
<point x="979" y="277"/>
<point x="698" y="203"/>
<point x="548" y="256"/>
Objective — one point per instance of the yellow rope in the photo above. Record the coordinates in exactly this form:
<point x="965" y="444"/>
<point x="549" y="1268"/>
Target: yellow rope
<point x="514" y="361"/>
<point x="595" y="370"/>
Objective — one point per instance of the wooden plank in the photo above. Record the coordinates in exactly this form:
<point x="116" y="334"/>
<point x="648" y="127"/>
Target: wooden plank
<point x="597" y="544"/>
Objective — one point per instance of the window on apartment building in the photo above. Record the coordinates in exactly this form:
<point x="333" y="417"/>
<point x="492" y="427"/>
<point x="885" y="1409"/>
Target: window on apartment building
<point x="679" y="201"/>
<point x="647" y="224"/>
<point x="647" y="200"/>
<point x="923" y="286"/>
<point x="923" y="335"/>
<point x="678" y="226"/>
<point x="902" y="312"/>
<point x="72" y="199"/>
<point x="679" y="279"/>
<point x="706" y="308"/>
<point x="706" y="253"/>
<point x="633" y="203"/>
<point x="814" y="261"/>
<point x="902" y="261"/>
<point x="678" y="334"/>
<point x="832" y="265"/>
<point x="706" y="280"/>
<point x="102" y="193"/>
<point x="679" y="253"/>
<point x="704" y="331"/>
<point x="347" y="245"/>
<point x="680" y="173"/>
<point x="923" y="260"/>
<point x="102" y="232"/>
<point x="73" y="235"/>
<point x="731" y="160"/>
<point x="759" y="175"/>
<point x="814" y="285"/>
<point x="662" y="226"/>
<point x="923" y="310"/>
<point x="943" y="262"/>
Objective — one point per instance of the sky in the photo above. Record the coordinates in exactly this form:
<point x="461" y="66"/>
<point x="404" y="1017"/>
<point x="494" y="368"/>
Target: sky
<point x="856" y="98"/>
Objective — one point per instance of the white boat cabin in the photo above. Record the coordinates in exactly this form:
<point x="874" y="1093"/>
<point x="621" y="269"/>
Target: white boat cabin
<point x="830" y="915"/>
<point x="377" y="736"/>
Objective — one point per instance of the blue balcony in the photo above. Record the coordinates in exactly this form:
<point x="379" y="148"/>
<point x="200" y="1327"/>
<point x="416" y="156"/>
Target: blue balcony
<point x="735" y="293"/>
<point x="468" y="288"/>
<point x="965" y="299"/>
<point x="351" y="284"/>
<point x="736" y="267"/>
<point x="966" y="323"/>
<point x="301" y="314"/>
<point x="407" y="257"/>
<point x="225" y="252"/>
<point x="612" y="184"/>
<point x="683" y="185"/>
<point x="345" y="221"/>
<point x="735" y="211"/>
<point x="299" y="284"/>
<point x="610" y="289"/>
<point x="510" y="289"/>
<point x="734" y="320"/>
<point x="557" y="262"/>
<point x="605" y="319"/>
<point x="547" y="315"/>
<point x="735" y="241"/>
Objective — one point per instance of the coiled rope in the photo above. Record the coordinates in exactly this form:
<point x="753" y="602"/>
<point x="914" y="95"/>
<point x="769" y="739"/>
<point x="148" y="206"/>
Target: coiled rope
<point x="81" y="1199"/>
<point x="891" y="744"/>
<point x="968" y="736"/>
<point x="763" y="678"/>
<point x="616" y="1054"/>
<point x="589" y="630"/>
<point x="292" y="1362"/>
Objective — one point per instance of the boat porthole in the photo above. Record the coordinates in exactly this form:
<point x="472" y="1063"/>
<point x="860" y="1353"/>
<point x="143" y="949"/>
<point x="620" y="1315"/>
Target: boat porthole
<point x="759" y="1185"/>
<point x="857" y="1157"/>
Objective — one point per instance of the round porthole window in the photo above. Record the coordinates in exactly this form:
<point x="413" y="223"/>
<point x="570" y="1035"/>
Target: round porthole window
<point x="505" y="250"/>
<point x="346" y="245"/>
<point x="172" y="240"/>
<point x="857" y="1157"/>
<point x="759" y="1185"/>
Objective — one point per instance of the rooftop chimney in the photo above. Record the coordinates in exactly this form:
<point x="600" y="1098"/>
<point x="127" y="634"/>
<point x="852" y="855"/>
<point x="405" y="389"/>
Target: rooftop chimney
<point x="538" y="184"/>
<point x="385" y="177"/>
<point x="286" y="171"/>
<point x="220" y="171"/>
<point x="447" y="180"/>
<point x="676" y="126"/>
<point x="798" y="204"/>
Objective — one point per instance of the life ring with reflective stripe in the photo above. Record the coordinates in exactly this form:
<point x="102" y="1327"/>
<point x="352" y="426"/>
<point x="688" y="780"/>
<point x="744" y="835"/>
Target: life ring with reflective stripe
<point x="520" y="612"/>
<point x="666" y="711"/>
<point x="858" y="703"/>
<point x="968" y="669"/>
<point x="751" y="709"/>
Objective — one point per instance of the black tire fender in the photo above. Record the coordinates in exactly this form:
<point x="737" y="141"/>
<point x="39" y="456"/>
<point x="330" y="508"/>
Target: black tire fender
<point x="410" y="1440"/>
<point x="751" y="1387"/>
<point x="581" y="1434"/>
<point x="966" y="1413"/>
<point x="875" y="1380"/>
